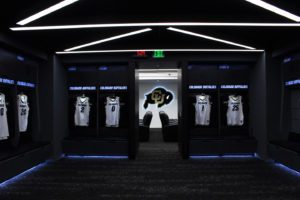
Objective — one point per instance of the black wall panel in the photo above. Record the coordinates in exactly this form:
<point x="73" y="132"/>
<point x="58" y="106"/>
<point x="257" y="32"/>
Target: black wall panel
<point x="60" y="106"/>
<point x="258" y="104"/>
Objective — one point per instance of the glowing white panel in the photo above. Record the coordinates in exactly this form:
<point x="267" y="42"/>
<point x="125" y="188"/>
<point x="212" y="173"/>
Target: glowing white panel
<point x="206" y="24"/>
<point x="46" y="12"/>
<point x="109" y="39"/>
<point x="166" y="50"/>
<point x="158" y="76"/>
<point x="209" y="38"/>
<point x="275" y="9"/>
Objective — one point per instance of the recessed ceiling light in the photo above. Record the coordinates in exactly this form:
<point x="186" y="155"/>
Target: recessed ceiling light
<point x="88" y="26"/>
<point x="46" y="12"/>
<point x="110" y="39"/>
<point x="166" y="50"/>
<point x="209" y="37"/>
<point x="275" y="9"/>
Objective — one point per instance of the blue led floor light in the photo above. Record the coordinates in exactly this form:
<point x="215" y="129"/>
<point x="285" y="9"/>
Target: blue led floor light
<point x="95" y="157"/>
<point x="287" y="169"/>
<point x="222" y="156"/>
<point x="21" y="175"/>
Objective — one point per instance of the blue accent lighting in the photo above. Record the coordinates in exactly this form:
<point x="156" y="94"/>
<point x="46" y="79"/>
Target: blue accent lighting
<point x="287" y="169"/>
<point x="287" y="60"/>
<point x="234" y="86"/>
<point x="95" y="157"/>
<point x="113" y="87"/>
<point x="72" y="69"/>
<point x="25" y="84"/>
<point x="7" y="81"/>
<point x="103" y="68"/>
<point x="82" y="88"/>
<point x="20" y="58"/>
<point x="22" y="175"/>
<point x="197" y="157"/>
<point x="202" y="87"/>
<point x="293" y="82"/>
<point x="224" y="67"/>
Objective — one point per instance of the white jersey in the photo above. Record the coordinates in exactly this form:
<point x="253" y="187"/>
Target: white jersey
<point x="3" y="118"/>
<point x="203" y="109"/>
<point x="235" y="115"/>
<point x="82" y="111"/>
<point x="23" y="112"/>
<point x="112" y="111"/>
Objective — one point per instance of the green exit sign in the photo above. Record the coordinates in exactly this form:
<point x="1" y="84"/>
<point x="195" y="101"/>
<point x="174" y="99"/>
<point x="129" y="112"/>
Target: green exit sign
<point x="158" y="54"/>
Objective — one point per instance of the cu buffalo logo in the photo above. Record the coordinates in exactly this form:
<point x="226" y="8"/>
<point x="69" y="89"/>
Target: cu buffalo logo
<point x="159" y="96"/>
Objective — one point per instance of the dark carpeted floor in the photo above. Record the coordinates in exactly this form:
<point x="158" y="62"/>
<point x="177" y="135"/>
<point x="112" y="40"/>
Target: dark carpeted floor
<point x="158" y="173"/>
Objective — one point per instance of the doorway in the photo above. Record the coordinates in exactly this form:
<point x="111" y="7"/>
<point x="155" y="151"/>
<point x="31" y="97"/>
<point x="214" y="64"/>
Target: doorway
<point x="158" y="108"/>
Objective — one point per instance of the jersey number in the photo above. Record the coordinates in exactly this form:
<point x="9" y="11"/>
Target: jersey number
<point x="235" y="108"/>
<point x="202" y="108"/>
<point x="23" y="112"/>
<point x="82" y="110"/>
<point x="113" y="108"/>
<point x="1" y="111"/>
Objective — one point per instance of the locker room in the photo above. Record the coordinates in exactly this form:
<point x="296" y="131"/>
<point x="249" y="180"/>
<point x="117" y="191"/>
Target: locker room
<point x="144" y="100"/>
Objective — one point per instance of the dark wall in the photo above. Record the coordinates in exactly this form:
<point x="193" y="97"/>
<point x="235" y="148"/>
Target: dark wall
<point x="15" y="45"/>
<point x="275" y="92"/>
<point x="45" y="94"/>
<point x="258" y="104"/>
<point x="60" y="106"/>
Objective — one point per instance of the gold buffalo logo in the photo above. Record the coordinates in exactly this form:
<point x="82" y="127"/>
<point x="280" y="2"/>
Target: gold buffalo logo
<point x="159" y="96"/>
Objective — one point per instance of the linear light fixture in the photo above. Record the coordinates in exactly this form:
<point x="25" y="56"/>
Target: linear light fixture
<point x="208" y="24"/>
<point x="158" y="76"/>
<point x="166" y="50"/>
<point x="291" y="171"/>
<point x="209" y="38"/>
<point x="95" y="157"/>
<point x="275" y="9"/>
<point x="196" y="157"/>
<point x="46" y="12"/>
<point x="109" y="39"/>
<point x="22" y="175"/>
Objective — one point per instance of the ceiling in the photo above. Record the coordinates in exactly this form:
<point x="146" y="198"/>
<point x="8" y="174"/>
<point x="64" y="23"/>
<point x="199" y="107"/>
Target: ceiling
<point x="117" y="11"/>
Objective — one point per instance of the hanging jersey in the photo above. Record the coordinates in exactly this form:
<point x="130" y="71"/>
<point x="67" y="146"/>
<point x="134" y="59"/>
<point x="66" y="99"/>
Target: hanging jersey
<point x="82" y="111"/>
<point x="203" y="109"/>
<point x="23" y="112"/>
<point x="3" y="118"/>
<point x="112" y="111"/>
<point x="235" y="115"/>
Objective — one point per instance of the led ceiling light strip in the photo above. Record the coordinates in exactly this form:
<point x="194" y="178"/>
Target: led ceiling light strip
<point x="110" y="39"/>
<point x="275" y="9"/>
<point x="46" y="12"/>
<point x="209" y="38"/>
<point x="166" y="50"/>
<point x="88" y="26"/>
<point x="158" y="78"/>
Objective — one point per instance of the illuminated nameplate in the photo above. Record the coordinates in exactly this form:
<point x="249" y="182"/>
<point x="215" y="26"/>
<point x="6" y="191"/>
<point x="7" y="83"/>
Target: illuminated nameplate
<point x="224" y="67"/>
<point x="103" y="68"/>
<point x="25" y="84"/>
<point x="234" y="86"/>
<point x="113" y="87"/>
<point x="202" y="87"/>
<point x="82" y="88"/>
<point x="72" y="69"/>
<point x="293" y="82"/>
<point x="287" y="60"/>
<point x="7" y="81"/>
<point x="20" y="58"/>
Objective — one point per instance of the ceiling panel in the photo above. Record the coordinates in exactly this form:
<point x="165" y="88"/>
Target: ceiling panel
<point x="116" y="11"/>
